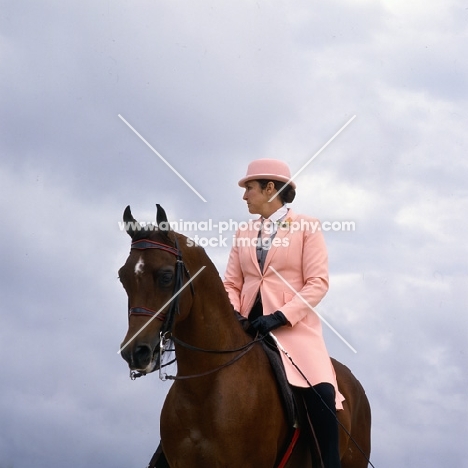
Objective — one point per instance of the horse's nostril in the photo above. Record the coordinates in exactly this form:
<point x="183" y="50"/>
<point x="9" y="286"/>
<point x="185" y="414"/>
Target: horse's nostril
<point x="142" y="356"/>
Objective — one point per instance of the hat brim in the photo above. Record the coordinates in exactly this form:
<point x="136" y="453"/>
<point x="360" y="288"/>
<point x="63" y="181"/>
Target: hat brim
<point x="279" y="178"/>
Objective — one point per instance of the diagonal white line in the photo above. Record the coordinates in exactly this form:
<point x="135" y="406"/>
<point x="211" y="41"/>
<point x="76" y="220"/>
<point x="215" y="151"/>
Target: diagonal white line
<point x="313" y="157"/>
<point x="311" y="308"/>
<point x="162" y="307"/>
<point x="162" y="159"/>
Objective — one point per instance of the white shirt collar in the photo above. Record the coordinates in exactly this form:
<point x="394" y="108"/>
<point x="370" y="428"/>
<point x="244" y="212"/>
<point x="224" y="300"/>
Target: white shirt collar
<point x="277" y="215"/>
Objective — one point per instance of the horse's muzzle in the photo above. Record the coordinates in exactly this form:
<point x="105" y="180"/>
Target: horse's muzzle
<point x="142" y="358"/>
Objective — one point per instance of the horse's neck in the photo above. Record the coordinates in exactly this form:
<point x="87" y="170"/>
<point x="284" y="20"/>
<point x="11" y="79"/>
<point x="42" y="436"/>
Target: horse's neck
<point x="212" y="320"/>
<point x="211" y="324"/>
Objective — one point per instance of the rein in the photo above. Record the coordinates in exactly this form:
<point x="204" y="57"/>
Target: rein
<point x="216" y="351"/>
<point x="163" y="340"/>
<point x="244" y="350"/>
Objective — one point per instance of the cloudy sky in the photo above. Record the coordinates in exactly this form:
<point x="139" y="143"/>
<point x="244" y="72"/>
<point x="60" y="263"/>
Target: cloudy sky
<point x="212" y="85"/>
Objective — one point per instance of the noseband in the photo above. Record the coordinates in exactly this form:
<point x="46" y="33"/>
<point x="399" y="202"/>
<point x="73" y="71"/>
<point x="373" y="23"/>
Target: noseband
<point x="180" y="272"/>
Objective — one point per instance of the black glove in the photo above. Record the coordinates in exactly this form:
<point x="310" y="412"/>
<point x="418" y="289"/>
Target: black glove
<point x="267" y="323"/>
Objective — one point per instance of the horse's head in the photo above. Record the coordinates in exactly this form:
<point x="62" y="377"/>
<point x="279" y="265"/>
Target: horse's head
<point x="152" y="276"/>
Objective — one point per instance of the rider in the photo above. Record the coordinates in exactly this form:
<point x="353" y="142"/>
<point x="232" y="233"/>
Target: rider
<point x="276" y="274"/>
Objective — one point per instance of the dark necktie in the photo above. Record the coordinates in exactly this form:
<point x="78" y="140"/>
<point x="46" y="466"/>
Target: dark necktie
<point x="264" y="239"/>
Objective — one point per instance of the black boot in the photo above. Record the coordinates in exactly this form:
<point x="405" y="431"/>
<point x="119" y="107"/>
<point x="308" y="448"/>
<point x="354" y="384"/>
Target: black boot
<point x="320" y="403"/>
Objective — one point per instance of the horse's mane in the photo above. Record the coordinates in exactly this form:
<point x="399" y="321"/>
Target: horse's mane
<point x="193" y="254"/>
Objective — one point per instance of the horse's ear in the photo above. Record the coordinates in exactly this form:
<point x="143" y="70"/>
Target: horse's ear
<point x="130" y="222"/>
<point x="161" y="219"/>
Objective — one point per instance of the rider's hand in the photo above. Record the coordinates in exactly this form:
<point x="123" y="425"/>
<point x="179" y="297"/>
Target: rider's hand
<point x="267" y="323"/>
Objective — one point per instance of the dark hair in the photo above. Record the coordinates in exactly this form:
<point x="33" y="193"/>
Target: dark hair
<point x="286" y="196"/>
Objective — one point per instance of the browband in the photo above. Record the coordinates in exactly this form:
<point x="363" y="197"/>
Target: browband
<point x="149" y="244"/>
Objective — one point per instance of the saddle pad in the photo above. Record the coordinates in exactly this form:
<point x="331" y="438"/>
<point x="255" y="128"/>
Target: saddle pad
<point x="272" y="352"/>
<point x="283" y="385"/>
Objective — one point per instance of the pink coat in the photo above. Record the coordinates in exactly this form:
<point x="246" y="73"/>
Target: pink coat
<point x="300" y="257"/>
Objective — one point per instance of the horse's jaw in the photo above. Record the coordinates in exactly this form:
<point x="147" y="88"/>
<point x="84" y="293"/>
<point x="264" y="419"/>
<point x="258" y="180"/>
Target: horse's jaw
<point x="151" y="367"/>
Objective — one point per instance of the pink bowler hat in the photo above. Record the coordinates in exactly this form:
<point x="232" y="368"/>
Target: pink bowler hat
<point x="271" y="169"/>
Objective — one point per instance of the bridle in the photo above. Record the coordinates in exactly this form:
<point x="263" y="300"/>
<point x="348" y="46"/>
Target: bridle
<point x="166" y="317"/>
<point x="180" y="271"/>
<point x="166" y="333"/>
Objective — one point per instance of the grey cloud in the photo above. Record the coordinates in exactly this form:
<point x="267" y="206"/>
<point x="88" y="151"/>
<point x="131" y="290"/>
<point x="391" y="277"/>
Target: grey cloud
<point x="212" y="87"/>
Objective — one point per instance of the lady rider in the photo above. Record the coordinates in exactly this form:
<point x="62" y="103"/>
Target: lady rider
<point x="276" y="274"/>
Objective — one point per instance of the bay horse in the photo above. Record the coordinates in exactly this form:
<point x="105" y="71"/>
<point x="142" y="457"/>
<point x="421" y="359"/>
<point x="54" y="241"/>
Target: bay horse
<point x="224" y="408"/>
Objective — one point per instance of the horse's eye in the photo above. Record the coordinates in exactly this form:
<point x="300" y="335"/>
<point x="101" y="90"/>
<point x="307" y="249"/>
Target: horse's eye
<point x="165" y="278"/>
